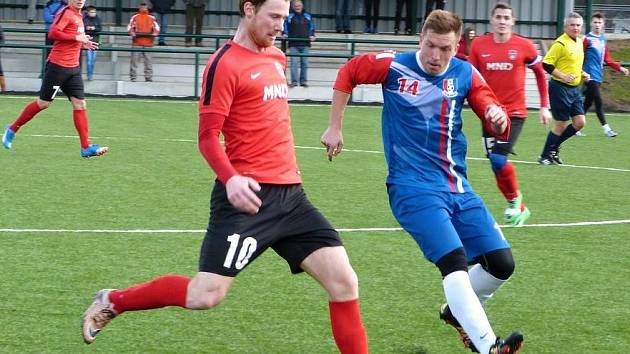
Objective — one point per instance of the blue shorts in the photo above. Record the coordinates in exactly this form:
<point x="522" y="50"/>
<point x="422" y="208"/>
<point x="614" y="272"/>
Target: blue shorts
<point x="441" y="222"/>
<point x="566" y="100"/>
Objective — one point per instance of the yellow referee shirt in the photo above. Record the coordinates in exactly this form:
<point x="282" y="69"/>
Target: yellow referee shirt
<point x="567" y="55"/>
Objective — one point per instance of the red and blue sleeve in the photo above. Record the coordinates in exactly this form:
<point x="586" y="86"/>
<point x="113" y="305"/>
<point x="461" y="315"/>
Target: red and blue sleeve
<point x="480" y="96"/>
<point x="610" y="61"/>
<point x="370" y="68"/>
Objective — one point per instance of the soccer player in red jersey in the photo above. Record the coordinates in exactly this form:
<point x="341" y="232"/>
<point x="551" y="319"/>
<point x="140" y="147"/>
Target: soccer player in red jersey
<point x="502" y="57"/>
<point x="63" y="73"/>
<point x="257" y="201"/>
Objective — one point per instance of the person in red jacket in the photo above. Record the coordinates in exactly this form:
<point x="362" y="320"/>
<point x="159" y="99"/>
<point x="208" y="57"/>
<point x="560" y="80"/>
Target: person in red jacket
<point x="63" y="73"/>
<point x="143" y="29"/>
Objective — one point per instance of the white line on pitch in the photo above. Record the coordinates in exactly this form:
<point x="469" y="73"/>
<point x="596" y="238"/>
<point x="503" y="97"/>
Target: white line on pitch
<point x="195" y="102"/>
<point x="369" y="229"/>
<point x="322" y="148"/>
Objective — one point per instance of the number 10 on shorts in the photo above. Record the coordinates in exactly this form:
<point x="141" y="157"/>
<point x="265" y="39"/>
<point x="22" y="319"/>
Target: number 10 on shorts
<point x="247" y="250"/>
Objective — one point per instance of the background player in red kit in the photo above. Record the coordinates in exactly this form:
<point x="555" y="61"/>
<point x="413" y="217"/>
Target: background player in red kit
<point x="63" y="73"/>
<point x="502" y="57"/>
<point x="257" y="201"/>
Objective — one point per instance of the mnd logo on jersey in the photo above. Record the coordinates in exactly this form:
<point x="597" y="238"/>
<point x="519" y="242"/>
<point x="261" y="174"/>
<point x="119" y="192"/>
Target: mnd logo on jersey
<point x="276" y="91"/>
<point x="499" y="66"/>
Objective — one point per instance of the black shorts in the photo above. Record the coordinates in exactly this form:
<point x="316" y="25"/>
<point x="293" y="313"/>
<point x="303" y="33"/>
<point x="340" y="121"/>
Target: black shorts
<point x="565" y="100"/>
<point x="287" y="222"/>
<point x="1" y="72"/>
<point x="501" y="147"/>
<point x="57" y="78"/>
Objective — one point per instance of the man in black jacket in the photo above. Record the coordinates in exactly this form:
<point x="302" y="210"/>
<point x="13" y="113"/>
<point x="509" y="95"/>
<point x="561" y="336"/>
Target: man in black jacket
<point x="161" y="9"/>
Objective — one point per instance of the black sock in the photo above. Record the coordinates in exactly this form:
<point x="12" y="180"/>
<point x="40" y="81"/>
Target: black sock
<point x="551" y="144"/>
<point x="568" y="132"/>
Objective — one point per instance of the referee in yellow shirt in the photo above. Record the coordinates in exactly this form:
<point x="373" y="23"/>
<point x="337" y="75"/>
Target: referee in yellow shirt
<point x="564" y="63"/>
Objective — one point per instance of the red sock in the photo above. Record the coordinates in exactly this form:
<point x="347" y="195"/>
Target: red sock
<point x="167" y="290"/>
<point x="81" y="124"/>
<point x="347" y="327"/>
<point x="27" y="114"/>
<point x="506" y="181"/>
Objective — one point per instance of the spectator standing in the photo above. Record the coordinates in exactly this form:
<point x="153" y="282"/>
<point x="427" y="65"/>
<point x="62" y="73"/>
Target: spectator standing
<point x="595" y="56"/>
<point x="439" y="5"/>
<point x="195" y="9"/>
<point x="465" y="42"/>
<point x="299" y="24"/>
<point x="143" y="29"/>
<point x="3" y="82"/>
<point x="399" y="5"/>
<point x="161" y="9"/>
<point x="50" y="10"/>
<point x="342" y="16"/>
<point x="93" y="27"/>
<point x="31" y="11"/>
<point x="371" y="15"/>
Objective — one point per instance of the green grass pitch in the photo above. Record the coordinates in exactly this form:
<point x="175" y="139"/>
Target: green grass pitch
<point x="569" y="293"/>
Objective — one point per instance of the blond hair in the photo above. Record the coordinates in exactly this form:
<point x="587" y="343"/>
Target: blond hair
<point x="443" y="22"/>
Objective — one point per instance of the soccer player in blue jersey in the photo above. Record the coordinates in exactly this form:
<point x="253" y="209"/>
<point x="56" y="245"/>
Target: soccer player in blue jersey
<point x="595" y="56"/>
<point x="425" y="149"/>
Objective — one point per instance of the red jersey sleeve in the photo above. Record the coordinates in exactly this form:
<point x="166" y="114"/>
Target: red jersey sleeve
<point x="480" y="96"/>
<point x="218" y="87"/>
<point x="370" y="68"/>
<point x="59" y="24"/>
<point x="210" y="126"/>
<point x="610" y="61"/>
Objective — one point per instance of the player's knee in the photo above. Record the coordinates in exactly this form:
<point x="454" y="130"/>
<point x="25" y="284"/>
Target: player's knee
<point x="497" y="161"/>
<point x="79" y="105"/>
<point x="499" y="263"/>
<point x="43" y="104"/>
<point x="453" y="262"/>
<point x="579" y="124"/>
<point x="344" y="287"/>
<point x="203" y="299"/>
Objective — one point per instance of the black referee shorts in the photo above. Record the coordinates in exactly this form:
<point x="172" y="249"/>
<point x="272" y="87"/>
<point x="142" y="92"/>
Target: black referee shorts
<point x="57" y="78"/>
<point x="287" y="222"/>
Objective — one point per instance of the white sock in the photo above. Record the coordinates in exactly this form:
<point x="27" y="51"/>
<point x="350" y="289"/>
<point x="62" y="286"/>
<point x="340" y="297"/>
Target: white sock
<point x="467" y="309"/>
<point x="483" y="283"/>
<point x="606" y="127"/>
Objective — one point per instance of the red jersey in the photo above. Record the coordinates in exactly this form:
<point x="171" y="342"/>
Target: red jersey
<point x="66" y="50"/>
<point x="245" y="97"/>
<point x="503" y="66"/>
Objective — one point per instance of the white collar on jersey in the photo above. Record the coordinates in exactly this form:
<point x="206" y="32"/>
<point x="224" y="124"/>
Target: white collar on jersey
<point x="422" y="67"/>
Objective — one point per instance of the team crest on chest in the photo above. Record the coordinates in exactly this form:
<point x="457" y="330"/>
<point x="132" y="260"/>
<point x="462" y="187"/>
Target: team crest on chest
<point x="449" y="88"/>
<point x="512" y="54"/>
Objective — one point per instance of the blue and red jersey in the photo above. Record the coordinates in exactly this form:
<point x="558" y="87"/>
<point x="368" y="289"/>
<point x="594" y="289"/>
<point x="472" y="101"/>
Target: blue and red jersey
<point x="596" y="55"/>
<point x="422" y="123"/>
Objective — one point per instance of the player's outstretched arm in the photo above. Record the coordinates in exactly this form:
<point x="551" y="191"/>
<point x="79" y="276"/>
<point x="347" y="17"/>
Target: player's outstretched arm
<point x="332" y="138"/>
<point x="369" y="68"/>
